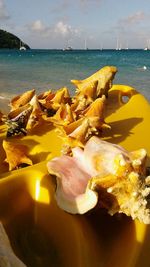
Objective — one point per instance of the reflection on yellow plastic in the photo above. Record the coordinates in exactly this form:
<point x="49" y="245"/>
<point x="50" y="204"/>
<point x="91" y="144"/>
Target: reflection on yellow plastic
<point x="140" y="231"/>
<point x="37" y="190"/>
<point x="42" y="234"/>
<point x="41" y="193"/>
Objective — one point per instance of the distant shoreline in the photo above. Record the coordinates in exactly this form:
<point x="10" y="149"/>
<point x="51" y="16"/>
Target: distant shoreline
<point x="74" y="49"/>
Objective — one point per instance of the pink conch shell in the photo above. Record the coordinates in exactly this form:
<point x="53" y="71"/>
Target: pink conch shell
<point x="102" y="171"/>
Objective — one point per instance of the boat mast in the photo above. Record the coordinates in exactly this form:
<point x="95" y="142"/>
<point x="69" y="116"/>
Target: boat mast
<point x="85" y="44"/>
<point x="117" y="47"/>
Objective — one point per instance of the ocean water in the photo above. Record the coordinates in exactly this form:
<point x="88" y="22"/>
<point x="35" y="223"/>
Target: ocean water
<point x="53" y="69"/>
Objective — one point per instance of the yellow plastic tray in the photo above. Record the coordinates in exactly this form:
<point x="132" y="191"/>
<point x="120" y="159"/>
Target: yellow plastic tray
<point x="43" y="235"/>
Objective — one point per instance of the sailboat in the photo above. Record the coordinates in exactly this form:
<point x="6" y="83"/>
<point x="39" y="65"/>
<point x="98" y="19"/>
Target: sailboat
<point x="22" y="47"/>
<point x="127" y="48"/>
<point x="85" y="45"/>
<point x="101" y="46"/>
<point x="148" y="45"/>
<point x="118" y="47"/>
<point x="68" y="48"/>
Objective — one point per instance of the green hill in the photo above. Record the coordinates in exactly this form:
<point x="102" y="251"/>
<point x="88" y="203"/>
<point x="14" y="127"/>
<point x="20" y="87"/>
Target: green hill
<point x="9" y="40"/>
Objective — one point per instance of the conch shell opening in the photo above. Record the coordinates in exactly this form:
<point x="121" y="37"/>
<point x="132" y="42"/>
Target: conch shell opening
<point x="102" y="167"/>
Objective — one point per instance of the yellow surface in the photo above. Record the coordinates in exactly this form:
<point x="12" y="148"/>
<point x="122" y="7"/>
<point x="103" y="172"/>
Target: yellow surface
<point x="41" y="233"/>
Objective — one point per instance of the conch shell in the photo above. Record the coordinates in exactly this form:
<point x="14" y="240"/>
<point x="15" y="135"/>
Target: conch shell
<point x="90" y="122"/>
<point x="62" y="96"/>
<point x="18" y="119"/>
<point x="16" y="155"/>
<point x="35" y="117"/>
<point x="52" y="101"/>
<point x="103" y="78"/>
<point x="64" y="115"/>
<point x="100" y="172"/>
<point x="84" y="97"/>
<point x="45" y="99"/>
<point x="22" y="100"/>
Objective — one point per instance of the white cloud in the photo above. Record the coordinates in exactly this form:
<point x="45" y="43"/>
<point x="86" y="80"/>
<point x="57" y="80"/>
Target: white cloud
<point x="59" y="29"/>
<point x="58" y="33"/>
<point x="62" y="28"/>
<point x="65" y="29"/>
<point x="133" y="19"/>
<point x="37" y="26"/>
<point x="131" y="29"/>
<point x="3" y="11"/>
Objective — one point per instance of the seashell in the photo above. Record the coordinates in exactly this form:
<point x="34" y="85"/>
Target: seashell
<point x="89" y="90"/>
<point x="44" y="95"/>
<point x="15" y="113"/>
<point x="91" y="122"/>
<point x="36" y="115"/>
<point x="63" y="116"/>
<point x="81" y="132"/>
<point x="95" y="113"/>
<point x="96" y="108"/>
<point x="16" y="155"/>
<point x="85" y="97"/>
<point x="22" y="100"/>
<point x="61" y="96"/>
<point x="105" y="172"/>
<point x="52" y="101"/>
<point x="79" y="105"/>
<point x="45" y="99"/>
<point x="138" y="158"/>
<point x="103" y="77"/>
<point x="17" y="120"/>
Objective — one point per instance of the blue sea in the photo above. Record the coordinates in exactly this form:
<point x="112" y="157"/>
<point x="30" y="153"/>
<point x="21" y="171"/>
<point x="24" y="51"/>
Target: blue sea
<point x="53" y="69"/>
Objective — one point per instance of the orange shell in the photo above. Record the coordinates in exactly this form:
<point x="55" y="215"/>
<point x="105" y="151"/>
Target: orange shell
<point x="36" y="114"/>
<point x="81" y="131"/>
<point x="16" y="154"/>
<point x="88" y="90"/>
<point x="64" y="115"/>
<point x="46" y="98"/>
<point x="14" y="113"/>
<point x="96" y="108"/>
<point x="61" y="96"/>
<point x="21" y="100"/>
<point x="44" y="94"/>
<point x="104" y="78"/>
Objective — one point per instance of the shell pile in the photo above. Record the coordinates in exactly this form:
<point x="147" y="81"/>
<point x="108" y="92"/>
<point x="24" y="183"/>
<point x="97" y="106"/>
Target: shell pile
<point x="90" y="171"/>
<point x="77" y="118"/>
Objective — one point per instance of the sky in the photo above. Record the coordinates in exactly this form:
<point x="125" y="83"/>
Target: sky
<point x="78" y="23"/>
